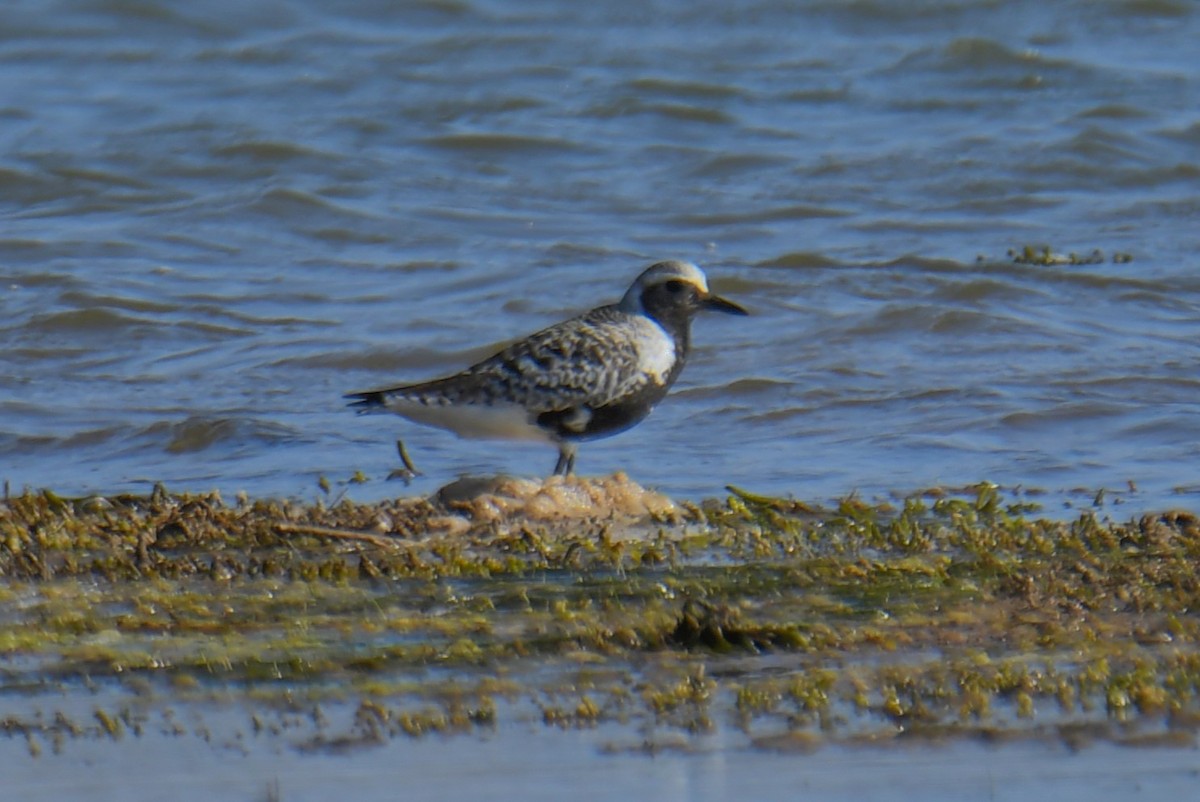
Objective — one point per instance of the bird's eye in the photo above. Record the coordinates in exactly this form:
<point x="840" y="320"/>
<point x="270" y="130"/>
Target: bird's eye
<point x="675" y="286"/>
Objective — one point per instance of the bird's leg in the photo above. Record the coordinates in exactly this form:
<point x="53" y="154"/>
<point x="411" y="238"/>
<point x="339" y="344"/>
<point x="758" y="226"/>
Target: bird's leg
<point x="566" y="460"/>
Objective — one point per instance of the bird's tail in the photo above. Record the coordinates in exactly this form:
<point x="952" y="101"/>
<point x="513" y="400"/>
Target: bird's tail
<point x="371" y="401"/>
<point x="434" y="393"/>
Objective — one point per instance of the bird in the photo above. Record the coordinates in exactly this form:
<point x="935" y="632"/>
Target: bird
<point x="591" y="376"/>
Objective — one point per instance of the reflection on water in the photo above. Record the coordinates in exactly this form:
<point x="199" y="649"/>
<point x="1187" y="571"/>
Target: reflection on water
<point x="218" y="219"/>
<point x="216" y="751"/>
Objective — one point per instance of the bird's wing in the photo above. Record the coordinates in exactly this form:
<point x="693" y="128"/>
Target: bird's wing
<point x="589" y="360"/>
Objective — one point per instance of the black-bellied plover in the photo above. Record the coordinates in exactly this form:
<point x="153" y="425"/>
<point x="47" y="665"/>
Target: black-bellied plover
<point x="591" y="376"/>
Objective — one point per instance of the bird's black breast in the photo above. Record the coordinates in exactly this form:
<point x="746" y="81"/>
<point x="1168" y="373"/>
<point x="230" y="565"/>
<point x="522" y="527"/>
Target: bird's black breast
<point x="605" y="420"/>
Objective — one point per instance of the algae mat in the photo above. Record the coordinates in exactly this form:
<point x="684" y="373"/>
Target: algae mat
<point x="595" y="606"/>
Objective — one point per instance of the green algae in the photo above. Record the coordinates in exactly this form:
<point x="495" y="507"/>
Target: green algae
<point x="1043" y="255"/>
<point x="949" y="614"/>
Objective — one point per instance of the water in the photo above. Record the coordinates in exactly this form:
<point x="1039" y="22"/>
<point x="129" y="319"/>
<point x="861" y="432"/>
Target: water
<point x="211" y="751"/>
<point x="218" y="218"/>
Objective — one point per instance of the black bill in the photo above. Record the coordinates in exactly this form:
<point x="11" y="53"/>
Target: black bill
<point x="718" y="304"/>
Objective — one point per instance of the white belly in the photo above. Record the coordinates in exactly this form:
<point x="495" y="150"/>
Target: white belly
<point x="497" y="422"/>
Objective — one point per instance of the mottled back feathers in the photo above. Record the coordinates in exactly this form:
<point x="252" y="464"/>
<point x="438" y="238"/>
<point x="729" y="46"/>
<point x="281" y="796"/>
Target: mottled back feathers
<point x="592" y="360"/>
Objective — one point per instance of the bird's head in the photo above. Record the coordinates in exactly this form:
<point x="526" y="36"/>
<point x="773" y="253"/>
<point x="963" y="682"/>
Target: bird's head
<point x="674" y="290"/>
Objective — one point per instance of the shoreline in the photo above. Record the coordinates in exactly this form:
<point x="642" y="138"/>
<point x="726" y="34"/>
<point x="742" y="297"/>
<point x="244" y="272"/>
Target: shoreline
<point x="595" y="602"/>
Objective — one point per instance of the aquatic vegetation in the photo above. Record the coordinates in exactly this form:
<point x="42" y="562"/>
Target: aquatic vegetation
<point x="1043" y="255"/>
<point x="948" y="614"/>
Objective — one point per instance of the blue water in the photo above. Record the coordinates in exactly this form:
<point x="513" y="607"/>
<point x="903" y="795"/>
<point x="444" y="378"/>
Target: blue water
<point x="219" y="217"/>
<point x="202" y="752"/>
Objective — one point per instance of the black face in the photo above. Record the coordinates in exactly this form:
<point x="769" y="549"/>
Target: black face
<point x="673" y="298"/>
<point x="677" y="301"/>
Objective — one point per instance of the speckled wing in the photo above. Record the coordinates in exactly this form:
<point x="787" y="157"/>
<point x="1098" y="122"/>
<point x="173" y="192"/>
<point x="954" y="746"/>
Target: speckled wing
<point x="591" y="360"/>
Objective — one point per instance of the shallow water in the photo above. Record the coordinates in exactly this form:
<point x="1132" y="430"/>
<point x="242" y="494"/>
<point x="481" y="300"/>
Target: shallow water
<point x="210" y="751"/>
<point x="219" y="218"/>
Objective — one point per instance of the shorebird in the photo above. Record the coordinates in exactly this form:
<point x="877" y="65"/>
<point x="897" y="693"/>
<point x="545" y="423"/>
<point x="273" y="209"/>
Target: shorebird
<point x="587" y="377"/>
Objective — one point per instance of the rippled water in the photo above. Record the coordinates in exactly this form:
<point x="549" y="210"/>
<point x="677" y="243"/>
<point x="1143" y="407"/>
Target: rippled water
<point x="219" y="217"/>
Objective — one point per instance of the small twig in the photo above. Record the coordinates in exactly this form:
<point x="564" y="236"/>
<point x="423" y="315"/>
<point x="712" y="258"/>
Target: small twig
<point x="341" y="534"/>
<point x="409" y="470"/>
<point x="407" y="460"/>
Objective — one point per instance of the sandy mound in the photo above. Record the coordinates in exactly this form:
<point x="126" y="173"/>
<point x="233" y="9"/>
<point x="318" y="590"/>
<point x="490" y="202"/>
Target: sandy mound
<point x="557" y="498"/>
